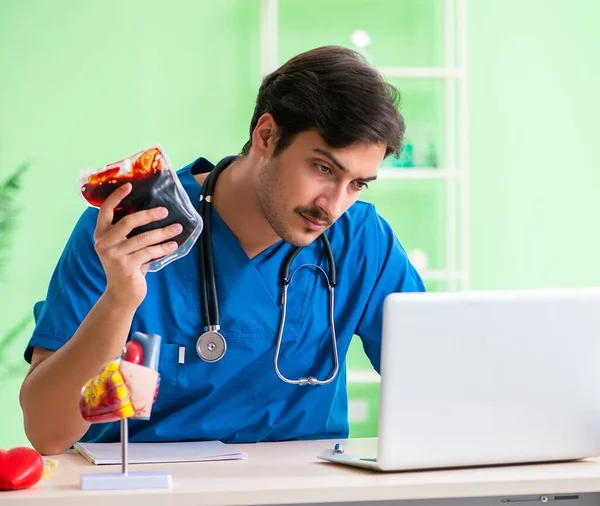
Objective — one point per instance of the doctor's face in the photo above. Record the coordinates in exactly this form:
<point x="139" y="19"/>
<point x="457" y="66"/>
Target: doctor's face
<point x="309" y="185"/>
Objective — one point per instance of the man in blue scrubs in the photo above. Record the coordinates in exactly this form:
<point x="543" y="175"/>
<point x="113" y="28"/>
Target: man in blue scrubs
<point x="322" y="125"/>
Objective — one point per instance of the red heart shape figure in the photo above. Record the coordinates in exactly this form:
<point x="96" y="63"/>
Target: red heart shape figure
<point x="20" y="468"/>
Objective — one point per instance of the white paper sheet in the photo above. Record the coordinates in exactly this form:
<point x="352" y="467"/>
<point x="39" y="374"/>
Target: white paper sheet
<point x="157" y="453"/>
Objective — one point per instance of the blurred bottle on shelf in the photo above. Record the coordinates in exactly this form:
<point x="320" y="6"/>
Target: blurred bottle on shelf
<point x="432" y="156"/>
<point x="424" y="156"/>
<point x="407" y="158"/>
<point x="419" y="259"/>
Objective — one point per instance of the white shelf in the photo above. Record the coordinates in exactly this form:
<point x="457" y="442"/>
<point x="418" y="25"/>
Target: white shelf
<point x="417" y="173"/>
<point x="362" y="377"/>
<point x="420" y="72"/>
<point x="438" y="275"/>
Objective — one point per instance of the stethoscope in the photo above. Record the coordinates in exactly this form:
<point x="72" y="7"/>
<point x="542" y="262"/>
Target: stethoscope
<point x="211" y="345"/>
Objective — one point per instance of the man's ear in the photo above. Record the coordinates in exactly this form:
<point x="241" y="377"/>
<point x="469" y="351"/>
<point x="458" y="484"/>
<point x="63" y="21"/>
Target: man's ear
<point x="264" y="136"/>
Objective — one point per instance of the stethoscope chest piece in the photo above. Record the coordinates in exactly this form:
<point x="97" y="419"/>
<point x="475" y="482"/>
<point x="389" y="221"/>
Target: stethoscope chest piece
<point x="211" y="346"/>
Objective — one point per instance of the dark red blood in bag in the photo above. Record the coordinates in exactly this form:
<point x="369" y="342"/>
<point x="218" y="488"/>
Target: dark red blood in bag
<point x="153" y="185"/>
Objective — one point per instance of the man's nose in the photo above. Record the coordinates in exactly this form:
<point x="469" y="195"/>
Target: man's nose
<point x="332" y="202"/>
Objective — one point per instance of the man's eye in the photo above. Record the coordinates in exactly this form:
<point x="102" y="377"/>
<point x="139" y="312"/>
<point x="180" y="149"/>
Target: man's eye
<point x="360" y="185"/>
<point x="323" y="168"/>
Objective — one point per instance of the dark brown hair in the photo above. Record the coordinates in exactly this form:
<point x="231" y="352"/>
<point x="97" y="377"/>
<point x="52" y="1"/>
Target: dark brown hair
<point x="336" y="92"/>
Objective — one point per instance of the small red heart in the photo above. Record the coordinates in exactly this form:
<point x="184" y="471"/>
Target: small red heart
<point x="20" y="468"/>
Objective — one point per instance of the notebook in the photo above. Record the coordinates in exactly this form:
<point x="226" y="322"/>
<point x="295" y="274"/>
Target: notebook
<point x="158" y="453"/>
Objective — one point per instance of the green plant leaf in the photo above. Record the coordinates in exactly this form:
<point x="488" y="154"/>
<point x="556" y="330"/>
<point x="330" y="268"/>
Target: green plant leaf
<point x="12" y="335"/>
<point x="9" y="188"/>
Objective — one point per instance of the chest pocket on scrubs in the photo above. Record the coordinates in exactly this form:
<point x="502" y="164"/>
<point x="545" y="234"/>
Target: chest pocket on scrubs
<point x="168" y="370"/>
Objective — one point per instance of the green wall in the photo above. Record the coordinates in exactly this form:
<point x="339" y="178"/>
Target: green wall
<point x="534" y="80"/>
<point x="83" y="84"/>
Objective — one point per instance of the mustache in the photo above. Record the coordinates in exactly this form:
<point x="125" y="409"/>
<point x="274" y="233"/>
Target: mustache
<point x="315" y="214"/>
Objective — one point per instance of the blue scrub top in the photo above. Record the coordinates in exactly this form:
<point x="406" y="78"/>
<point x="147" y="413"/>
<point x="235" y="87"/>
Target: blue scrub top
<point x="240" y="398"/>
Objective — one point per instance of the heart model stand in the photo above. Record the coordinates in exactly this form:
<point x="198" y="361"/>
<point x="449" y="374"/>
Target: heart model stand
<point x="128" y="480"/>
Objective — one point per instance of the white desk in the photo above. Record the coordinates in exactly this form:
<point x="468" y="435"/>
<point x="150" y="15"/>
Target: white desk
<point x="290" y="473"/>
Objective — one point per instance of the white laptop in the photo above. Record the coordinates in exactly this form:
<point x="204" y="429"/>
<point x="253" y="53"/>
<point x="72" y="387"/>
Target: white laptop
<point x="484" y="378"/>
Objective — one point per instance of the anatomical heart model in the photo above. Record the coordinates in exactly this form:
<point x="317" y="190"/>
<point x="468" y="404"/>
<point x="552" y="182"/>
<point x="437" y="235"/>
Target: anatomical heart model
<point x="125" y="388"/>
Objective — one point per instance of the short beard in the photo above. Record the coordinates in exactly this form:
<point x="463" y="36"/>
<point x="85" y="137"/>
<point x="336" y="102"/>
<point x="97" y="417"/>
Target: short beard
<point x="266" y="194"/>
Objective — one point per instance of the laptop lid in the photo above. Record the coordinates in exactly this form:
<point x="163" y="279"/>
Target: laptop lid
<point x="475" y="378"/>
